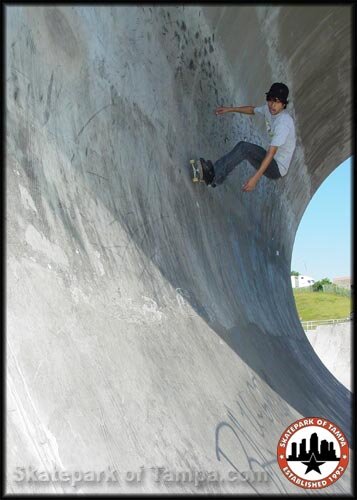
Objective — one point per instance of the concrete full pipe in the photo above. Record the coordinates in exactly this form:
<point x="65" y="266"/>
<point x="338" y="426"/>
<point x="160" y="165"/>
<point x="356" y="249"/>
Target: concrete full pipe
<point x="151" y="321"/>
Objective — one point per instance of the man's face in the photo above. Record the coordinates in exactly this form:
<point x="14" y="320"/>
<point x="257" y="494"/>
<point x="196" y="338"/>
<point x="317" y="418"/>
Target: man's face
<point x="275" y="106"/>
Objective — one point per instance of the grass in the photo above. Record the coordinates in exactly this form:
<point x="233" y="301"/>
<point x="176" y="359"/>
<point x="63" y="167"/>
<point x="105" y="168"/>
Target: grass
<point x="321" y="305"/>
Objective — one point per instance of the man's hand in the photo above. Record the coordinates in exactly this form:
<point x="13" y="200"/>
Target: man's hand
<point x="246" y="110"/>
<point x="222" y="109"/>
<point x="250" y="184"/>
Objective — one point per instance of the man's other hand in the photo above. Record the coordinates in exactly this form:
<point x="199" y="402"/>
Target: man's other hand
<point x="250" y="185"/>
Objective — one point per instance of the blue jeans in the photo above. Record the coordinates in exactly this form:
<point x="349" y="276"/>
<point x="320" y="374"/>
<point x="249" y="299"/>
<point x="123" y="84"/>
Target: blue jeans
<point x="244" y="151"/>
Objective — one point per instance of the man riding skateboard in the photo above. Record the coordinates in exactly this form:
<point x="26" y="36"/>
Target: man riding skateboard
<point x="273" y="163"/>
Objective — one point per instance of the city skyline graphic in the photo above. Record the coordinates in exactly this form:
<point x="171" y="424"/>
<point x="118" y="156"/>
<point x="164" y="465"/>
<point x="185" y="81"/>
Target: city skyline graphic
<point x="324" y="452"/>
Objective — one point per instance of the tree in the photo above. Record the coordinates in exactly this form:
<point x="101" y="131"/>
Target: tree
<point x="318" y="285"/>
<point x="294" y="273"/>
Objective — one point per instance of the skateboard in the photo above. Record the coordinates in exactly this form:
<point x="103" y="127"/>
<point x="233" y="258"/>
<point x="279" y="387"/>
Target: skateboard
<point x="202" y="172"/>
<point x="197" y="171"/>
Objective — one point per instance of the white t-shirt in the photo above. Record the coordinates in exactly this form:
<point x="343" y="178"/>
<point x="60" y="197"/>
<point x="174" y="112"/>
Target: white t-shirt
<point x="281" y="130"/>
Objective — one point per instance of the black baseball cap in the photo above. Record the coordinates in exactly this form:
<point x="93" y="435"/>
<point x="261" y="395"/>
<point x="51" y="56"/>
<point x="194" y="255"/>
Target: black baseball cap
<point x="279" y="91"/>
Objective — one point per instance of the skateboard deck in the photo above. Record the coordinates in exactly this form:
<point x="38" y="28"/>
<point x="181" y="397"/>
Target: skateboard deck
<point x="201" y="172"/>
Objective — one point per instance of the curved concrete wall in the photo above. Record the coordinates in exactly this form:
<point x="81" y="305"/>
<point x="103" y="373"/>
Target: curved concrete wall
<point x="332" y="344"/>
<point x="150" y="321"/>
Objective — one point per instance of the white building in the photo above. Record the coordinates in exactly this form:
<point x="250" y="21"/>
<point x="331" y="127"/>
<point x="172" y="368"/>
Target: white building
<point x="301" y="281"/>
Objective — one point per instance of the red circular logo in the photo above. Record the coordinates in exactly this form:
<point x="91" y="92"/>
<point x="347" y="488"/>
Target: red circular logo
<point x="313" y="453"/>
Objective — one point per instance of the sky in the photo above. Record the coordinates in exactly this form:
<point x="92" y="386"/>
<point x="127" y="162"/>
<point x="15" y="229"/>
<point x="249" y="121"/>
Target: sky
<point x="322" y="247"/>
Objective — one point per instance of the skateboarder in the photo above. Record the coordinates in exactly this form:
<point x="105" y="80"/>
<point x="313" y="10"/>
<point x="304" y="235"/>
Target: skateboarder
<point x="273" y="163"/>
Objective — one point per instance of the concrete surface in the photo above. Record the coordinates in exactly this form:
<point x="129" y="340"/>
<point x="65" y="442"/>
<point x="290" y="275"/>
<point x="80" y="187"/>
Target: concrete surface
<point x="150" y="321"/>
<point x="333" y="345"/>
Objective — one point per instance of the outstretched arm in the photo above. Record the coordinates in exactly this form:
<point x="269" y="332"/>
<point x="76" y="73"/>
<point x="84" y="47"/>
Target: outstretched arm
<point x="252" y="182"/>
<point x="246" y="110"/>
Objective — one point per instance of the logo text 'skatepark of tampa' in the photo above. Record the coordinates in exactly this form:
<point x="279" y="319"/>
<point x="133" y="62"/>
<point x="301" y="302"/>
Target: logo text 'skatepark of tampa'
<point x="313" y="453"/>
